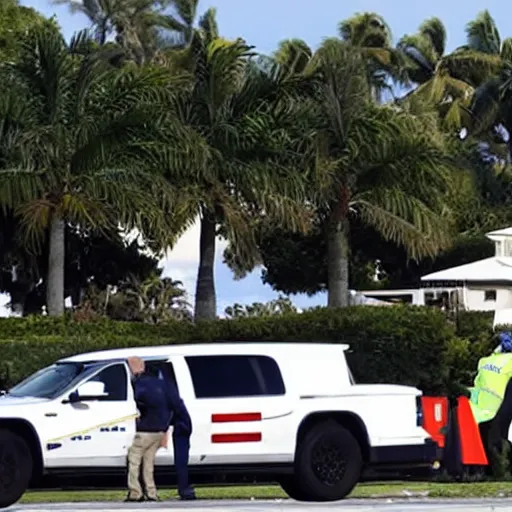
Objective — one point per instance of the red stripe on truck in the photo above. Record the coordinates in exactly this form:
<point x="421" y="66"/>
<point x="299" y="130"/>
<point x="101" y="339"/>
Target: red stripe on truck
<point x="249" y="437"/>
<point x="236" y="417"/>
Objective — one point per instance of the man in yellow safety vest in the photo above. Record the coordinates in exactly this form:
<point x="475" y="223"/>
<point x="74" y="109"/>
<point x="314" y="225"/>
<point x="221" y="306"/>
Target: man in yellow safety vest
<point x="494" y="373"/>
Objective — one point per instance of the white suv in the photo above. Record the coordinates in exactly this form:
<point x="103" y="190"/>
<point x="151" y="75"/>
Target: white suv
<point x="286" y="411"/>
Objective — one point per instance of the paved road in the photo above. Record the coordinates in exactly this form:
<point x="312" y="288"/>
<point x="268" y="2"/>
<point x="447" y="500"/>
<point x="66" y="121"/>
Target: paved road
<point x="412" y="505"/>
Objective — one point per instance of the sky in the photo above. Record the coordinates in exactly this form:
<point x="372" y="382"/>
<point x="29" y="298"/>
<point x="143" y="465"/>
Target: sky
<point x="264" y="24"/>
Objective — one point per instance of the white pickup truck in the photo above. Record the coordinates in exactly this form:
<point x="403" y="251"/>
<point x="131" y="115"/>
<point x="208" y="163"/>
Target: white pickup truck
<point x="287" y="411"/>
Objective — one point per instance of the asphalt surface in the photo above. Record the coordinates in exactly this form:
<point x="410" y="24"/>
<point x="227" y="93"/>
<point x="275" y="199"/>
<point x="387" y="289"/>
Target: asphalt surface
<point x="425" y="505"/>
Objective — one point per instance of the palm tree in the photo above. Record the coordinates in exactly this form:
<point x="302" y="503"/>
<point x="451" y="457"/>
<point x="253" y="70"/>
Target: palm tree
<point x="449" y="81"/>
<point x="245" y="118"/>
<point x="482" y="56"/>
<point x="434" y="71"/>
<point x="379" y="163"/>
<point x="371" y="35"/>
<point x="424" y="50"/>
<point x="77" y="144"/>
<point x="134" y="24"/>
<point x="147" y="30"/>
<point x="492" y="101"/>
<point x="280" y="306"/>
<point x="101" y="13"/>
<point x="157" y="299"/>
<point x="182" y="20"/>
<point x="293" y="56"/>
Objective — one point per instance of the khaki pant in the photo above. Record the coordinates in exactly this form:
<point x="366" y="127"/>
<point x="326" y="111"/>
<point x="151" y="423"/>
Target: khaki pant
<point x="143" y="451"/>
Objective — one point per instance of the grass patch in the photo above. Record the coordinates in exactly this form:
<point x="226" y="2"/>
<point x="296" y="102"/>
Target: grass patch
<point x="379" y="490"/>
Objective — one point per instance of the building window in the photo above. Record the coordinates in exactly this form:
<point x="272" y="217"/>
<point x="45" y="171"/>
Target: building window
<point x="235" y="376"/>
<point x="490" y="295"/>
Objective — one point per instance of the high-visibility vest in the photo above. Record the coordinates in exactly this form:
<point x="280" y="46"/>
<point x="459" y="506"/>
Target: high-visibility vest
<point x="490" y="384"/>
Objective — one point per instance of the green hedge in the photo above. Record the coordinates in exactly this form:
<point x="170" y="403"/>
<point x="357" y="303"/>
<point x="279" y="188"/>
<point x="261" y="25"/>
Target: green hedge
<point x="476" y="326"/>
<point x="403" y="345"/>
<point x="35" y="327"/>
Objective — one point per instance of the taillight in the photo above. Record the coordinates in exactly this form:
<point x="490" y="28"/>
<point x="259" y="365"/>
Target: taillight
<point x="419" y="411"/>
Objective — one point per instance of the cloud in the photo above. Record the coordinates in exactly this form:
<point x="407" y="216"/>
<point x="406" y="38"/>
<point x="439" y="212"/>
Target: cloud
<point x="182" y="262"/>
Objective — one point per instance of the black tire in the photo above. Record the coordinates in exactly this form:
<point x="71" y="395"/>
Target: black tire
<point x="291" y="486"/>
<point x="329" y="463"/>
<point x="15" y="468"/>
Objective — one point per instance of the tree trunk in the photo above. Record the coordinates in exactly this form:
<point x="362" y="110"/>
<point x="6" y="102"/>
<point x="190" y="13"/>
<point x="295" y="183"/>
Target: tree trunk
<point x="337" y="259"/>
<point x="55" y="281"/>
<point x="206" y="302"/>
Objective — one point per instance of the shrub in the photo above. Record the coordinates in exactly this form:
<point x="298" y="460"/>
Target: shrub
<point x="403" y="345"/>
<point x="476" y="326"/>
<point x="28" y="344"/>
<point x="461" y="362"/>
<point x="33" y="327"/>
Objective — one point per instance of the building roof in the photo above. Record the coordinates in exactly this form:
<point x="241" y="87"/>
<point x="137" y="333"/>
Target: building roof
<point x="500" y="232"/>
<point x="489" y="269"/>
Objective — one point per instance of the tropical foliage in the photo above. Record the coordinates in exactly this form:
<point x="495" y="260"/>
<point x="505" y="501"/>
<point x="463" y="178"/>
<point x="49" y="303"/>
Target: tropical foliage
<point x="280" y="306"/>
<point x="154" y="300"/>
<point x="309" y="160"/>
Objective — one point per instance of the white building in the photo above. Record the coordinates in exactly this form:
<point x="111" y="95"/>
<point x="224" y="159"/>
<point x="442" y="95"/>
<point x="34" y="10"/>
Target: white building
<point x="484" y="285"/>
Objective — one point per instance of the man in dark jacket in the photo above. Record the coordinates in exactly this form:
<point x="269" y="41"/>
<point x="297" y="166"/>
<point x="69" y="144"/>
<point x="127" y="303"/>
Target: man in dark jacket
<point x="155" y="416"/>
<point x="182" y="430"/>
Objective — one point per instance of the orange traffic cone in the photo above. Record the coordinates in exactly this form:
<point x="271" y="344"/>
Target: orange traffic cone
<point x="435" y="417"/>
<point x="472" y="450"/>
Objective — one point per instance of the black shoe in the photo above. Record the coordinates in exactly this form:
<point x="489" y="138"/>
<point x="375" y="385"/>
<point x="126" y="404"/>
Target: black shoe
<point x="153" y="499"/>
<point x="188" y="497"/>
<point x="133" y="500"/>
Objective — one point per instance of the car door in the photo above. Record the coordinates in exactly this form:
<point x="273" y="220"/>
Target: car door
<point x="239" y="406"/>
<point x="94" y="433"/>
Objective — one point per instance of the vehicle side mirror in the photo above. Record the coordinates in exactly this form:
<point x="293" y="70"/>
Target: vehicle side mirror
<point x="87" y="392"/>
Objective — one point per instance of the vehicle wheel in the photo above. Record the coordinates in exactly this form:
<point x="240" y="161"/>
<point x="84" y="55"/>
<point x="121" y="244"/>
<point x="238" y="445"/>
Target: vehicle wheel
<point x="15" y="468"/>
<point x="329" y="462"/>
<point x="292" y="487"/>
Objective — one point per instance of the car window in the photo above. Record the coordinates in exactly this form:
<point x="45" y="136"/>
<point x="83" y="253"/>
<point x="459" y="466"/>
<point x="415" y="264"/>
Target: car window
<point x="163" y="369"/>
<point x="115" y="379"/>
<point x="48" y="382"/>
<point x="235" y="376"/>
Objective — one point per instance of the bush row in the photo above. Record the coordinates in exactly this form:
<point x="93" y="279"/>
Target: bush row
<point x="403" y="345"/>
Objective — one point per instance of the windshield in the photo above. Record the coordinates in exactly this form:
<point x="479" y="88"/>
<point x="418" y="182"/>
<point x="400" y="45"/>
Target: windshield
<point x="48" y="382"/>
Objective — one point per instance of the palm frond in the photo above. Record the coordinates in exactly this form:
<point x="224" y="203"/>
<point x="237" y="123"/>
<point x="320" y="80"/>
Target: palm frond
<point x="367" y="29"/>
<point x="483" y="35"/>
<point x="506" y="50"/>
<point x="473" y="66"/>
<point x="404" y="220"/>
<point x="434" y="30"/>
<point x="35" y="217"/>
<point x="485" y="106"/>
<point x="424" y="50"/>
<point x="19" y="185"/>
<point x="293" y="55"/>
<point x="208" y="24"/>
